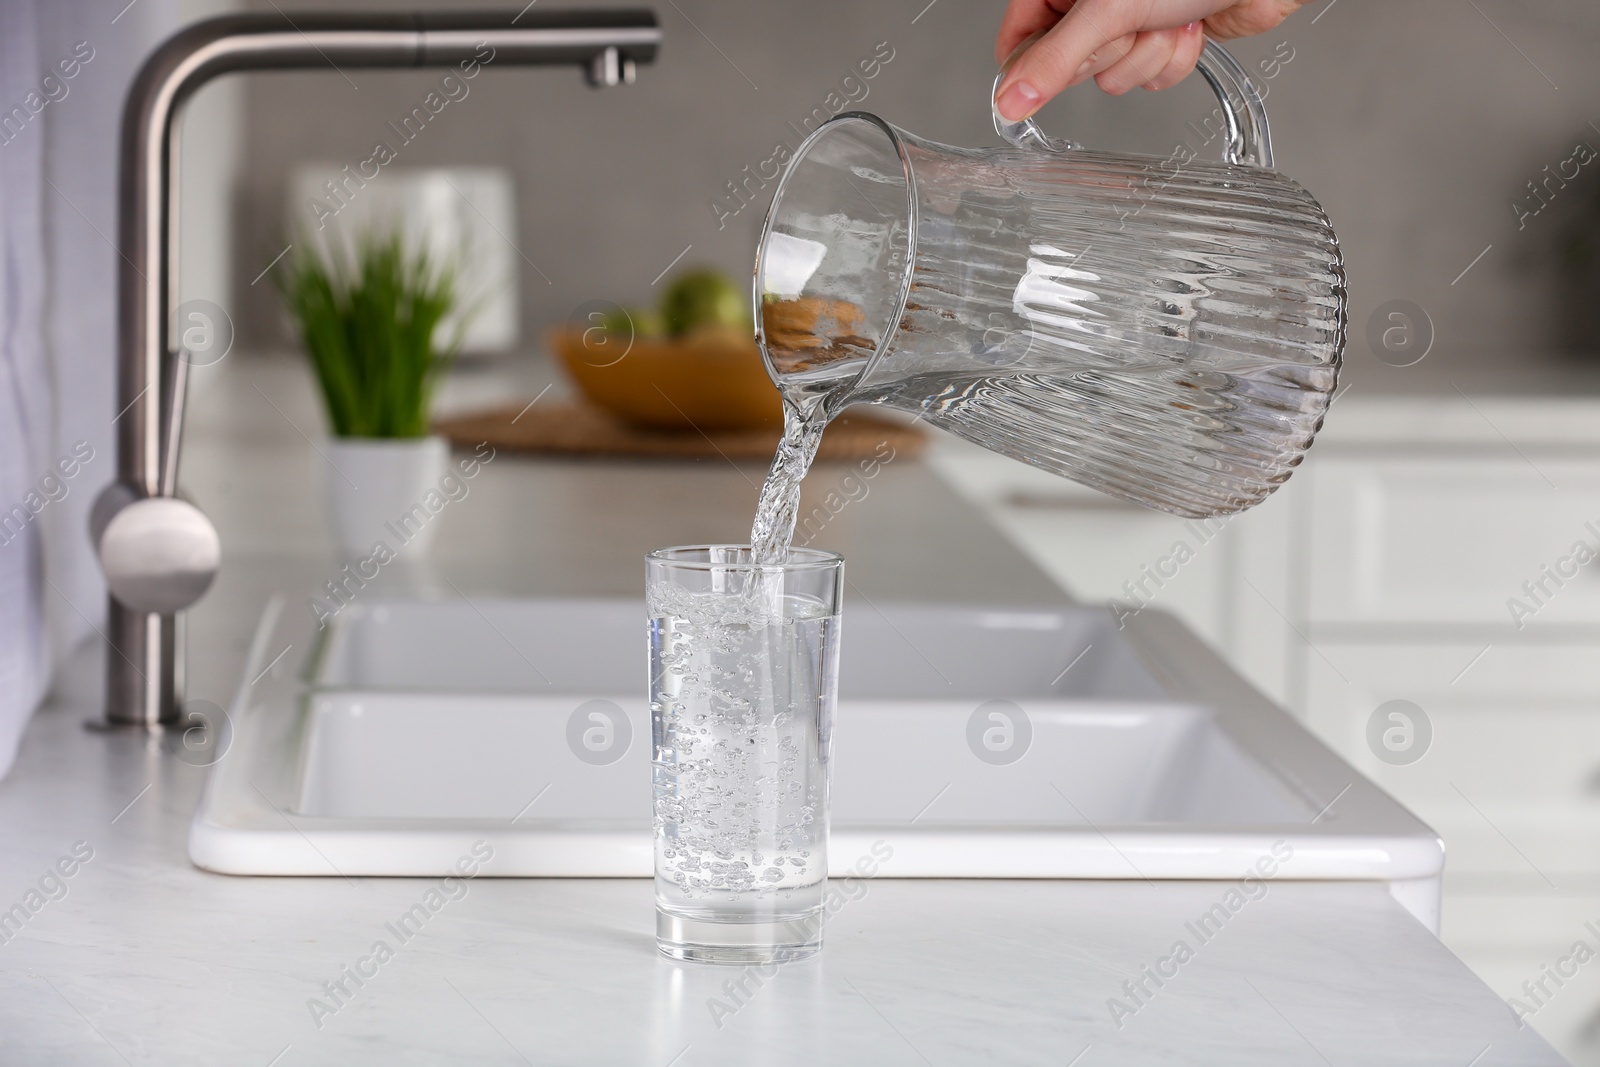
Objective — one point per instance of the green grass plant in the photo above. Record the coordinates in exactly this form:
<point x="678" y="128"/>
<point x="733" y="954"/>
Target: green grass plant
<point x="370" y="324"/>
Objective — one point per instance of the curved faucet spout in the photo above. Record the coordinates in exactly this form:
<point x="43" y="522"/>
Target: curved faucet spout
<point x="143" y="665"/>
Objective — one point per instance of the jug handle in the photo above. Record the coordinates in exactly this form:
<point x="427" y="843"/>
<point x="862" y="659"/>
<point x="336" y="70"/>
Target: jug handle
<point x="1249" y="140"/>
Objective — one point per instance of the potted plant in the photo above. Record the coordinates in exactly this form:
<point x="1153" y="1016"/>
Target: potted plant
<point x="369" y="321"/>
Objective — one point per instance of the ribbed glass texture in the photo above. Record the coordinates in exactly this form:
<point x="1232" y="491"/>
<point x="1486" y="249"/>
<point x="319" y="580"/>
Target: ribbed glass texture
<point x="1168" y="332"/>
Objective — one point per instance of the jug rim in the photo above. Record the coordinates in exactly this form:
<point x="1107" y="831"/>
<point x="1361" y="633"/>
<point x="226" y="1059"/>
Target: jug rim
<point x="698" y="557"/>
<point x="903" y="289"/>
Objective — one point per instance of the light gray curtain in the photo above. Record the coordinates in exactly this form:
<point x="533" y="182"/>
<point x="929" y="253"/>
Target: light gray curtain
<point x="64" y="69"/>
<point x="26" y="417"/>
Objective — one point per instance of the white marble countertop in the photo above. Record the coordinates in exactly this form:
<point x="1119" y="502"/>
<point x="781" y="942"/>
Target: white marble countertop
<point x="139" y="958"/>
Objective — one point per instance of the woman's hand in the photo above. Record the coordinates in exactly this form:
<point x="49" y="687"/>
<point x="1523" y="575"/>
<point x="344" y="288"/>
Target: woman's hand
<point x="1121" y="44"/>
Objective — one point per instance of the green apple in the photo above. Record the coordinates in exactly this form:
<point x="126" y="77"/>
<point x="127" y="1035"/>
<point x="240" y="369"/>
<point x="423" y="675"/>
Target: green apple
<point x="633" y="322"/>
<point x="703" y="298"/>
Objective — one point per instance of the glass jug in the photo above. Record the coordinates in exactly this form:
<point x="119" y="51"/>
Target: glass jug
<point x="1165" y="330"/>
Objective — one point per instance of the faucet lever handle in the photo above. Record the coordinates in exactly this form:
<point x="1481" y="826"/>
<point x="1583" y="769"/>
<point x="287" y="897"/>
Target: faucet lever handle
<point x="159" y="554"/>
<point x="174" y="393"/>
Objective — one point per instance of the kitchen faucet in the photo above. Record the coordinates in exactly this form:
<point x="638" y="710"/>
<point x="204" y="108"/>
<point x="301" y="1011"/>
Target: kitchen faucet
<point x="160" y="552"/>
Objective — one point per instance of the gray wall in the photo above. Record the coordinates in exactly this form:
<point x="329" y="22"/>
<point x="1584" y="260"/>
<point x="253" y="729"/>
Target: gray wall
<point x="1417" y="125"/>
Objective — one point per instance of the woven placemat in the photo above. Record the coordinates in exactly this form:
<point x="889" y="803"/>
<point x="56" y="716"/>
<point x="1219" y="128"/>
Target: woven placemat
<point x="572" y="429"/>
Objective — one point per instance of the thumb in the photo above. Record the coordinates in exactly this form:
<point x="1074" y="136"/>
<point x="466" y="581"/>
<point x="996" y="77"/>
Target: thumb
<point x="1062" y="57"/>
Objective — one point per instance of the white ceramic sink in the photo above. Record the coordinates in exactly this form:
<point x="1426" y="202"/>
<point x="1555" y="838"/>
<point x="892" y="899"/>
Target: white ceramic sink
<point x="390" y="740"/>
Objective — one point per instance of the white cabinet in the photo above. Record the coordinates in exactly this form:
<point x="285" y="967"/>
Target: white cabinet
<point x="1392" y="567"/>
<point x="1454" y="539"/>
<point x="1511" y="775"/>
<point x="1465" y="583"/>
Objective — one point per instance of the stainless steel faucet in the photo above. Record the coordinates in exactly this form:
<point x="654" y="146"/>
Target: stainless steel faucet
<point x="159" y="552"/>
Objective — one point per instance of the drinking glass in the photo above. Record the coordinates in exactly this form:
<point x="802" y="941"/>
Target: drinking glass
<point x="744" y="662"/>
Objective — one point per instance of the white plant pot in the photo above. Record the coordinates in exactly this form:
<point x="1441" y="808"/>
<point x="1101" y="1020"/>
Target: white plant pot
<point x="383" y="490"/>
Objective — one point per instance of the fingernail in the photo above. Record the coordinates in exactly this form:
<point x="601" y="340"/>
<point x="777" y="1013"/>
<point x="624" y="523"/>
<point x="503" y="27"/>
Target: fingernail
<point x="1018" y="101"/>
<point x="1192" y="27"/>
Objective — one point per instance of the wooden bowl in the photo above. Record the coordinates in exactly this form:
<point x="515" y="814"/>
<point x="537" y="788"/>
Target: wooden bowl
<point x="711" y="380"/>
